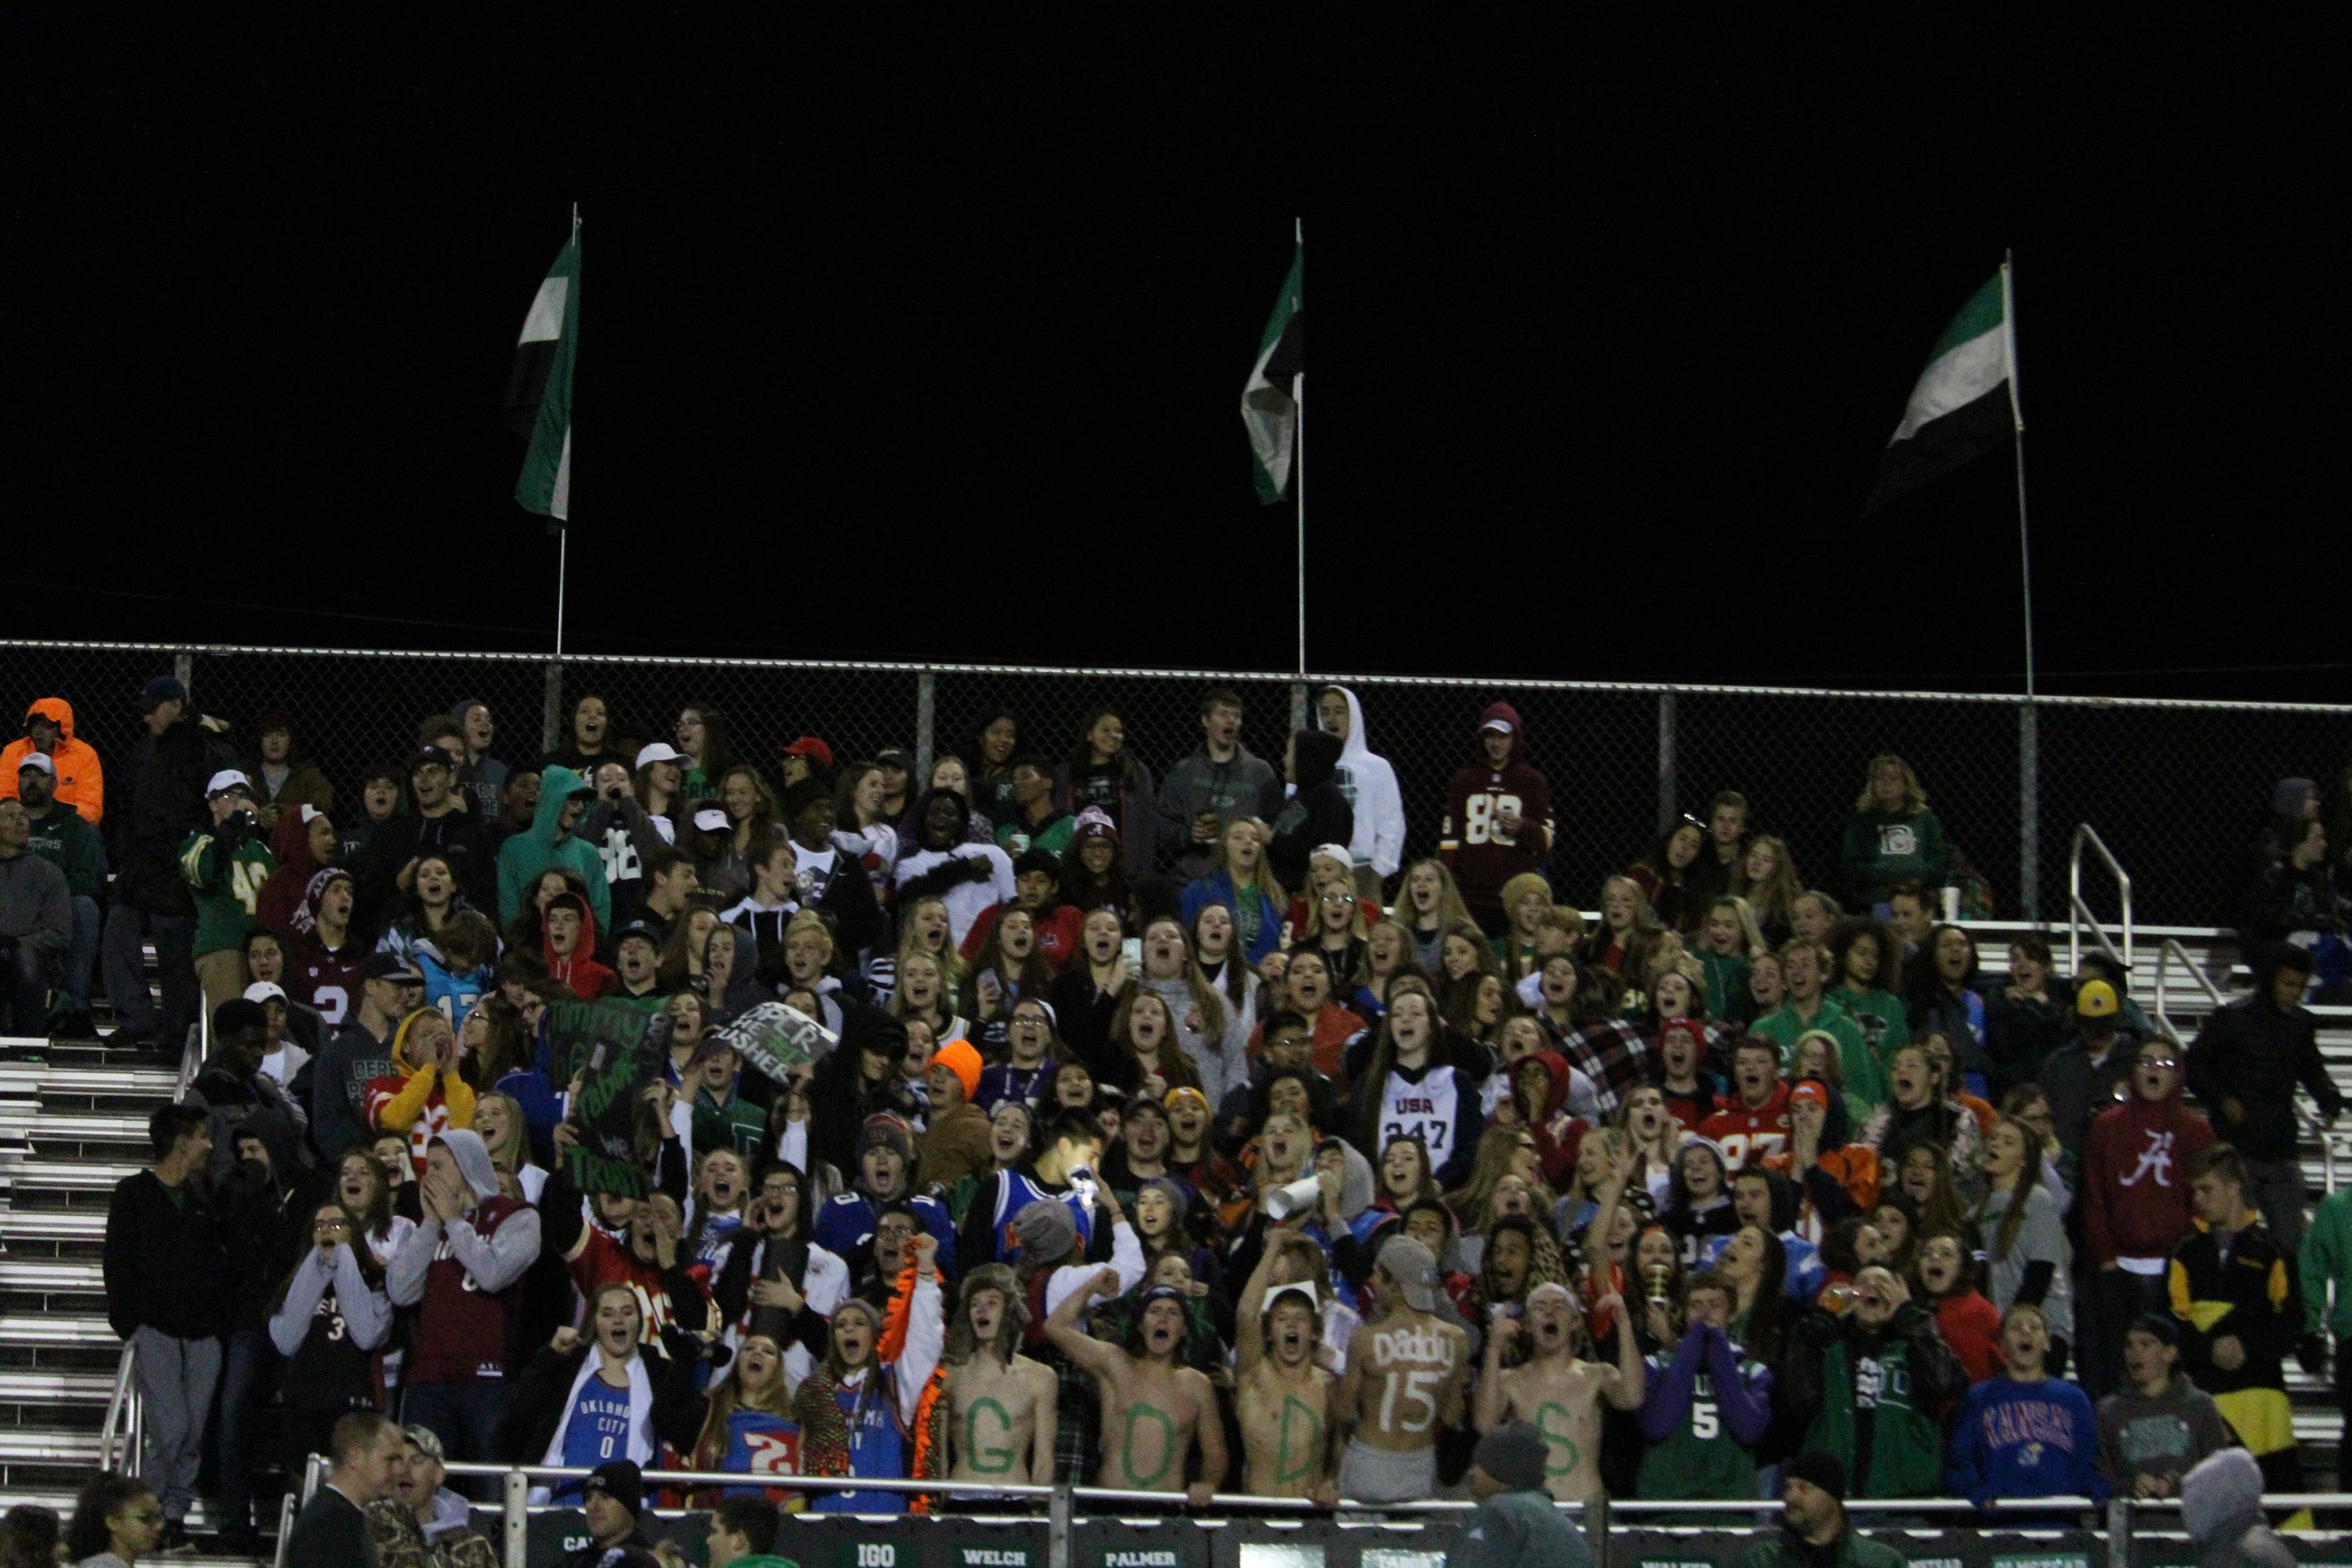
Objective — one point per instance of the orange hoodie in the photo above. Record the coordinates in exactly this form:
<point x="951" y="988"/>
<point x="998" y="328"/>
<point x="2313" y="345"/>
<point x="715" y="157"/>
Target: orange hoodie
<point x="82" y="783"/>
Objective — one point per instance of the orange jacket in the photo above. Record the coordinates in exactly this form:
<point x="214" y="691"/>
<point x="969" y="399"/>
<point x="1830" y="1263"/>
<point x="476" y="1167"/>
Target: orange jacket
<point x="82" y="783"/>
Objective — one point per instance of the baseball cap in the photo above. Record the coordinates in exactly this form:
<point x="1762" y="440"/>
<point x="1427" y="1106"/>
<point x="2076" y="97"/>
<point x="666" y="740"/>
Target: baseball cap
<point x="1810" y="1091"/>
<point x="1339" y="852"/>
<point x="391" y="966"/>
<point x="657" y="751"/>
<point x="159" y="689"/>
<point x="263" y="990"/>
<point x="39" y="762"/>
<point x="225" y="780"/>
<point x="432" y="757"/>
<point x="812" y="748"/>
<point x="637" y="928"/>
<point x="424" y="1440"/>
<point x="710" y="819"/>
<point x="1502" y="724"/>
<point x="895" y="757"/>
<point x="2097" y="999"/>
<point x="1413" y="1267"/>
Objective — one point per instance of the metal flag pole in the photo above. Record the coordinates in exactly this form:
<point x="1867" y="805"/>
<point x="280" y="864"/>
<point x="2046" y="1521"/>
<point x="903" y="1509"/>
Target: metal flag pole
<point x="1298" y="467"/>
<point x="2017" y="417"/>
<point x="563" y="534"/>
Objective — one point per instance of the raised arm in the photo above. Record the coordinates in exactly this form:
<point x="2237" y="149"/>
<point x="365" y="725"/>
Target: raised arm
<point x="1493" y="1405"/>
<point x="1061" y="1329"/>
<point x="1249" y="1338"/>
<point x="1625" y="1390"/>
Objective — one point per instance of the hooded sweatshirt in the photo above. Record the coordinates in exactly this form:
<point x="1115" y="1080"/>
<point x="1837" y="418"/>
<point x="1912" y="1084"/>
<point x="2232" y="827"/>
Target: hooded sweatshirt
<point x="2136" y="1180"/>
<point x="2163" y="1435"/>
<point x="483" y="780"/>
<point x="1557" y="1142"/>
<point x="464" y="1275"/>
<point x="34" y="908"/>
<point x="2221" y="1508"/>
<point x="1371" y="786"/>
<point x="1471" y="842"/>
<point x="81" y="782"/>
<point x="282" y="907"/>
<point x="546" y="843"/>
<point x="1318" y="811"/>
<point x="415" y="1100"/>
<point x="580" y="971"/>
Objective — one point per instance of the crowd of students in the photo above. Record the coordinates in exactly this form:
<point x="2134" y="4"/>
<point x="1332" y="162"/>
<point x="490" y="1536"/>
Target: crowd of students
<point x="1177" y="1137"/>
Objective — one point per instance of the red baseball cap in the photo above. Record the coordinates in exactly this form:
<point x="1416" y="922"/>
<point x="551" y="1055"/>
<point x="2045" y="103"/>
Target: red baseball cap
<point x="812" y="748"/>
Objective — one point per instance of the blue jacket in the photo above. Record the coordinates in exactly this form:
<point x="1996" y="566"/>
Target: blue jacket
<point x="1217" y="888"/>
<point x="2026" y="1439"/>
<point x="852" y="1213"/>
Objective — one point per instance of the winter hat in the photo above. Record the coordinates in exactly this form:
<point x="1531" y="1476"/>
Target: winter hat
<point x="960" y="1058"/>
<point x="159" y="689"/>
<point x="1823" y="1469"/>
<point x="1177" y="1199"/>
<point x="2221" y="1498"/>
<point x="1094" y="822"/>
<point x="1689" y="1030"/>
<point x="39" y="762"/>
<point x="621" y="1480"/>
<point x="2291" y="797"/>
<point x="1514" y="1454"/>
<point x="1176" y="1094"/>
<point x="1046" y="1230"/>
<point x="889" y="1132"/>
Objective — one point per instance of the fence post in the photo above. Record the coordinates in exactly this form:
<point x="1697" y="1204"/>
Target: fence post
<point x="184" y="670"/>
<point x="1298" y="705"/>
<point x="2029" y="811"/>
<point x="1666" y="763"/>
<point x="2119" y="1531"/>
<point x="1057" y="1529"/>
<point x="927" y="705"/>
<point x="551" y="713"/>
<point x="517" y="1519"/>
<point x="1596" y="1528"/>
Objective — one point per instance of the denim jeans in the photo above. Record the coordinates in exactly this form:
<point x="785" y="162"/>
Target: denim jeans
<point x="244" y="1383"/>
<point x="464" y="1413"/>
<point x="126" y="975"/>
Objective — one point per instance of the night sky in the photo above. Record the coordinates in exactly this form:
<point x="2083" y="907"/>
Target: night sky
<point x="912" y="340"/>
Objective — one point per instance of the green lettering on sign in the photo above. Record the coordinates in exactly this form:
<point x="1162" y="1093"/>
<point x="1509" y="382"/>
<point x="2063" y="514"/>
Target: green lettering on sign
<point x="988" y="1460"/>
<point x="1557" y="1439"/>
<point x="1127" y="1446"/>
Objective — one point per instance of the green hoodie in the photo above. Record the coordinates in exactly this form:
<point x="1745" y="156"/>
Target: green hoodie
<point x="70" y="843"/>
<point x="545" y="844"/>
<point x="2327" y="1260"/>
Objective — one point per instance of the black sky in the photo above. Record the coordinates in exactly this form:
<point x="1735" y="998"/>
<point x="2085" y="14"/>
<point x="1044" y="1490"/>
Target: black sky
<point x="915" y="340"/>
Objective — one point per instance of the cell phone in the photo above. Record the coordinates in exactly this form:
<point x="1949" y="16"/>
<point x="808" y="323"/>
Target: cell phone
<point x="1131" y="949"/>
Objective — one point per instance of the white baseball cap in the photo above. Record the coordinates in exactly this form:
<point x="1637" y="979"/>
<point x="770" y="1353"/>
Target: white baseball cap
<point x="227" y="779"/>
<point x="658" y="752"/>
<point x="710" y="819"/>
<point x="1502" y="724"/>
<point x="264" y="990"/>
<point x="37" y="760"/>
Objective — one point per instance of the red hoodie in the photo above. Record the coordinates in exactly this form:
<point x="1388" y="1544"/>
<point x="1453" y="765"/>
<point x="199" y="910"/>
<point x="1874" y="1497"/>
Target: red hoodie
<point x="1557" y="1136"/>
<point x="279" y="909"/>
<point x="580" y="971"/>
<point x="2136" y="1177"/>
<point x="1471" y="842"/>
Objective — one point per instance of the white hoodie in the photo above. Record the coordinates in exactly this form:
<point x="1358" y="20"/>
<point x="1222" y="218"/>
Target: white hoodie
<point x="1370" y="786"/>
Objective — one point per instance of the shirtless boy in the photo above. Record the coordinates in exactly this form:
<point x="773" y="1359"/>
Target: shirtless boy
<point x="1000" y="1403"/>
<point x="1280" y="1395"/>
<point x="1404" y="1379"/>
<point x="1152" y="1409"/>
<point x="1556" y="1391"/>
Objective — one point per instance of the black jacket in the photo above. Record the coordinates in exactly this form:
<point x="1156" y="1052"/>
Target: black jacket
<point x="2256" y="1055"/>
<point x="539" y="1403"/>
<point x="166" y="1263"/>
<point x="332" y="1532"/>
<point x="1318" y="814"/>
<point x="454" y="836"/>
<point x="168" y="775"/>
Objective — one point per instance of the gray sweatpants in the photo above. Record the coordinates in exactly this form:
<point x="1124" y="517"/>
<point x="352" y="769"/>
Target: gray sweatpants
<point x="1381" y="1475"/>
<point x="175" y="1388"/>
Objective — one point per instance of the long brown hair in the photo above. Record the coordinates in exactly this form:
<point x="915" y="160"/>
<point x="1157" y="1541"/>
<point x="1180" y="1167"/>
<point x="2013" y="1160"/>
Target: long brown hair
<point x="2021" y="1185"/>
<point x="727" y="1397"/>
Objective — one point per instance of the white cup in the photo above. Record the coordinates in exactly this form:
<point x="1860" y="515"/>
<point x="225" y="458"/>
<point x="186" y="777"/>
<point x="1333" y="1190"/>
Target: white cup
<point x="1301" y="1194"/>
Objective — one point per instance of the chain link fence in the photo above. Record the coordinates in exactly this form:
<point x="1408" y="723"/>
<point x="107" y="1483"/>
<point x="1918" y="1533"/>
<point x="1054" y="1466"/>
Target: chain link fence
<point x="2176" y="789"/>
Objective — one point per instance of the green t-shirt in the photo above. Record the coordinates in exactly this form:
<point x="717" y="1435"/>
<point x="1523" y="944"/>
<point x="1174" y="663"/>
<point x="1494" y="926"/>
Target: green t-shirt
<point x="1016" y="837"/>
<point x="1881" y="1015"/>
<point x="1865" y="1079"/>
<point x="1727" y="983"/>
<point x="1700" y="1458"/>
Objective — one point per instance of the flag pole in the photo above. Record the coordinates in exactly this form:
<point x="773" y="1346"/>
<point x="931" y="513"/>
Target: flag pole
<point x="563" y="533"/>
<point x="1299" y="470"/>
<point x="2017" y="417"/>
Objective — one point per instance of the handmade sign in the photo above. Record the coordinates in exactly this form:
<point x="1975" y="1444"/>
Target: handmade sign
<point x="614" y="1052"/>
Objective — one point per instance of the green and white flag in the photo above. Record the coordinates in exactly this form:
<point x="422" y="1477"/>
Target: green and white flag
<point x="1966" y="401"/>
<point x="1268" y="408"/>
<point x="539" y="395"/>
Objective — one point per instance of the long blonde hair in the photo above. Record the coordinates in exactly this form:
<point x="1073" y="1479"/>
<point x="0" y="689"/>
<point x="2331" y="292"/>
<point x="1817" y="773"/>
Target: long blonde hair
<point x="911" y="941"/>
<point x="1914" y="798"/>
<point x="1264" y="880"/>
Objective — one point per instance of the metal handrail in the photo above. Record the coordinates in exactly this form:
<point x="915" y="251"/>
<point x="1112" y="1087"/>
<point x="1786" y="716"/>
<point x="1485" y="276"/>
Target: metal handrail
<point x="2080" y="913"/>
<point x="118" y="1413"/>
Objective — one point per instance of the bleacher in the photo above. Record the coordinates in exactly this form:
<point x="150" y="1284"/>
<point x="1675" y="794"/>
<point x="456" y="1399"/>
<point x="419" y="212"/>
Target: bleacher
<point x="73" y="1123"/>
